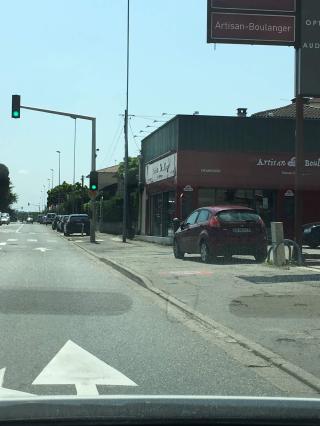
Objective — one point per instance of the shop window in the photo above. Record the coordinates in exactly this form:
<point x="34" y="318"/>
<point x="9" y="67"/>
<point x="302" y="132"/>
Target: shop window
<point x="206" y="197"/>
<point x="171" y="212"/>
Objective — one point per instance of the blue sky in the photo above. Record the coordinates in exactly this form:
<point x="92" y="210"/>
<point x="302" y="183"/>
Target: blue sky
<point x="71" y="56"/>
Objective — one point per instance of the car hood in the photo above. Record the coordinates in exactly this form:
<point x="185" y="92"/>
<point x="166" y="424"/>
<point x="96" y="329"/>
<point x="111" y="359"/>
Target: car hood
<point x="143" y="409"/>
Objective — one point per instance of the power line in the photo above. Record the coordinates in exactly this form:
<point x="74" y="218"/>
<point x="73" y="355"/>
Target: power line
<point x="133" y="137"/>
<point x="114" y="139"/>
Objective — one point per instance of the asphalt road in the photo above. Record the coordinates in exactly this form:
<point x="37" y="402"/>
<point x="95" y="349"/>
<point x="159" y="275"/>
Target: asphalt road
<point x="70" y="324"/>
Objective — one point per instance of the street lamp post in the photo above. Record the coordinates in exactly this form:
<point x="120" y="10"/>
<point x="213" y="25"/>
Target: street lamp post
<point x="59" y="154"/>
<point x="52" y="178"/>
<point x="44" y="197"/>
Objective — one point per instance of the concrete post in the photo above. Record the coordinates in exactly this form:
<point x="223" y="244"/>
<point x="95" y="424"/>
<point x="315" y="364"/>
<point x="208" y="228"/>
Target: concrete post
<point x="279" y="255"/>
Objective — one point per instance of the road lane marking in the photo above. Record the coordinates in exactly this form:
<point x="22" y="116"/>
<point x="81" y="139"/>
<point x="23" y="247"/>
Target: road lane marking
<point x="30" y="240"/>
<point x="12" y="240"/>
<point x="73" y="365"/>
<point x="3" y="244"/>
<point x="20" y="227"/>
<point x="42" y="249"/>
<point x="7" y="393"/>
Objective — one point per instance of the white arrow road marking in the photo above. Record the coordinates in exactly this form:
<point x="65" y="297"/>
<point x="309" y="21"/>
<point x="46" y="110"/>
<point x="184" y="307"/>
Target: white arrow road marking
<point x="7" y="393"/>
<point x="42" y="249"/>
<point x="32" y="241"/>
<point x="73" y="365"/>
<point x="19" y="229"/>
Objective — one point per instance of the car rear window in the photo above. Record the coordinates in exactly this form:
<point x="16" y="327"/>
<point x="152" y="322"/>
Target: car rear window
<point x="79" y="219"/>
<point x="238" y="216"/>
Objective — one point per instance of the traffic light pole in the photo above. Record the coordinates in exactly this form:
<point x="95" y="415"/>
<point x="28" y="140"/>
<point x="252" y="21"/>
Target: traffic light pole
<point x="93" y="200"/>
<point x="93" y="155"/>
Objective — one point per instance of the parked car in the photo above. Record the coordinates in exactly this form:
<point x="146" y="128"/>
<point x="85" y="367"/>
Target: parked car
<point x="5" y="219"/>
<point x="40" y="218"/>
<point x="77" y="223"/>
<point x="49" y="218"/>
<point x="60" y="224"/>
<point x="221" y="231"/>
<point x="311" y="234"/>
<point x="29" y="219"/>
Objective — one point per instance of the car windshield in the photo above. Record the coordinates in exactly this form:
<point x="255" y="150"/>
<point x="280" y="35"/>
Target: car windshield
<point x="159" y="198"/>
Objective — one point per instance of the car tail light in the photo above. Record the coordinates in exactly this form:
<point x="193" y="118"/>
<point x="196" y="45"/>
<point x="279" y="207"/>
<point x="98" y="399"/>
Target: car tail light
<point x="214" y="222"/>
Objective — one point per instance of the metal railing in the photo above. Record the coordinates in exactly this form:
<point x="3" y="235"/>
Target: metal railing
<point x="295" y="252"/>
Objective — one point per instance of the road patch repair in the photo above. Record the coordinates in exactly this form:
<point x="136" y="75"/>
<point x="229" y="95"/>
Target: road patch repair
<point x="144" y="265"/>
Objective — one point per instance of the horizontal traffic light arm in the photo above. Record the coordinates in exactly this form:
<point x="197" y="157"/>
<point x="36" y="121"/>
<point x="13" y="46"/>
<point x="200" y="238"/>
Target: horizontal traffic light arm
<point x="66" y="114"/>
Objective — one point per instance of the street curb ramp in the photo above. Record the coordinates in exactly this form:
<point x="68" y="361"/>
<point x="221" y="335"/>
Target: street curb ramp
<point x="221" y="330"/>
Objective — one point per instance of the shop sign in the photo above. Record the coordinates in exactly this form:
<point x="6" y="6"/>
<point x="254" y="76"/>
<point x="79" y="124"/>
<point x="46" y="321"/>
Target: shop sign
<point x="238" y="21"/>
<point x="188" y="188"/>
<point x="161" y="169"/>
<point x="289" y="193"/>
<point x="309" y="52"/>
<point x="270" y="162"/>
<point x="252" y="29"/>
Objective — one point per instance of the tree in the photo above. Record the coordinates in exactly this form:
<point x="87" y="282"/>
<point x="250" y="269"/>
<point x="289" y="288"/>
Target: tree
<point x="69" y="197"/>
<point x="7" y="196"/>
<point x="133" y="171"/>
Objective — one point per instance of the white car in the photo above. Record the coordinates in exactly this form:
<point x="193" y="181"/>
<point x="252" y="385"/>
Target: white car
<point x="5" y="219"/>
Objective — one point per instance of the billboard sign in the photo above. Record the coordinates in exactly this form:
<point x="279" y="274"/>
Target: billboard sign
<point x="308" y="83"/>
<point x="258" y="5"/>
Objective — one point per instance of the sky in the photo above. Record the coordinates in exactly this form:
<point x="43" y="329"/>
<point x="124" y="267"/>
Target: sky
<point x="71" y="56"/>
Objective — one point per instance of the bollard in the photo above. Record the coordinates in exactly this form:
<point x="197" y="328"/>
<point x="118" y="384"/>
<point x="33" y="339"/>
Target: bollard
<point x="278" y="250"/>
<point x="82" y="227"/>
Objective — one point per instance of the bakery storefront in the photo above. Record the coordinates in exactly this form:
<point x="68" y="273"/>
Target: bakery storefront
<point x="227" y="160"/>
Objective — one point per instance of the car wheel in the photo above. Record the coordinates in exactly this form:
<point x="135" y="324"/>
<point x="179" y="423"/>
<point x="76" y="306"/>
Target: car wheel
<point x="178" y="254"/>
<point x="87" y="234"/>
<point x="66" y="234"/>
<point x="205" y="254"/>
<point x="261" y="256"/>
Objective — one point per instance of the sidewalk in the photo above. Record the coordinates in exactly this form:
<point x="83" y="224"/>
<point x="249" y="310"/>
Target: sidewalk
<point x="276" y="308"/>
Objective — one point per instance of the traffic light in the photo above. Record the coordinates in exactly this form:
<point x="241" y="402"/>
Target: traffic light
<point x="15" y="113"/>
<point x="94" y="181"/>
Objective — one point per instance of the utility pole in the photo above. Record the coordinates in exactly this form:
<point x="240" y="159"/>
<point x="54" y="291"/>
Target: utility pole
<point x="82" y="181"/>
<point x="125" y="180"/>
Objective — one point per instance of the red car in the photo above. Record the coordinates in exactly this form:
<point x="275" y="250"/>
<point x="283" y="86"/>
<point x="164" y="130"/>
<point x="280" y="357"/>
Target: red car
<point x="221" y="231"/>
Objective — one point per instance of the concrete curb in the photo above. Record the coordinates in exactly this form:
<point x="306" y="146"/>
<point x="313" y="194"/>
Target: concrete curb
<point x="224" y="332"/>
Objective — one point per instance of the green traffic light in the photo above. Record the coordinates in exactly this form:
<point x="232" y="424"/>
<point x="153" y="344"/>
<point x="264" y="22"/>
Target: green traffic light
<point x="16" y="114"/>
<point x="93" y="187"/>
